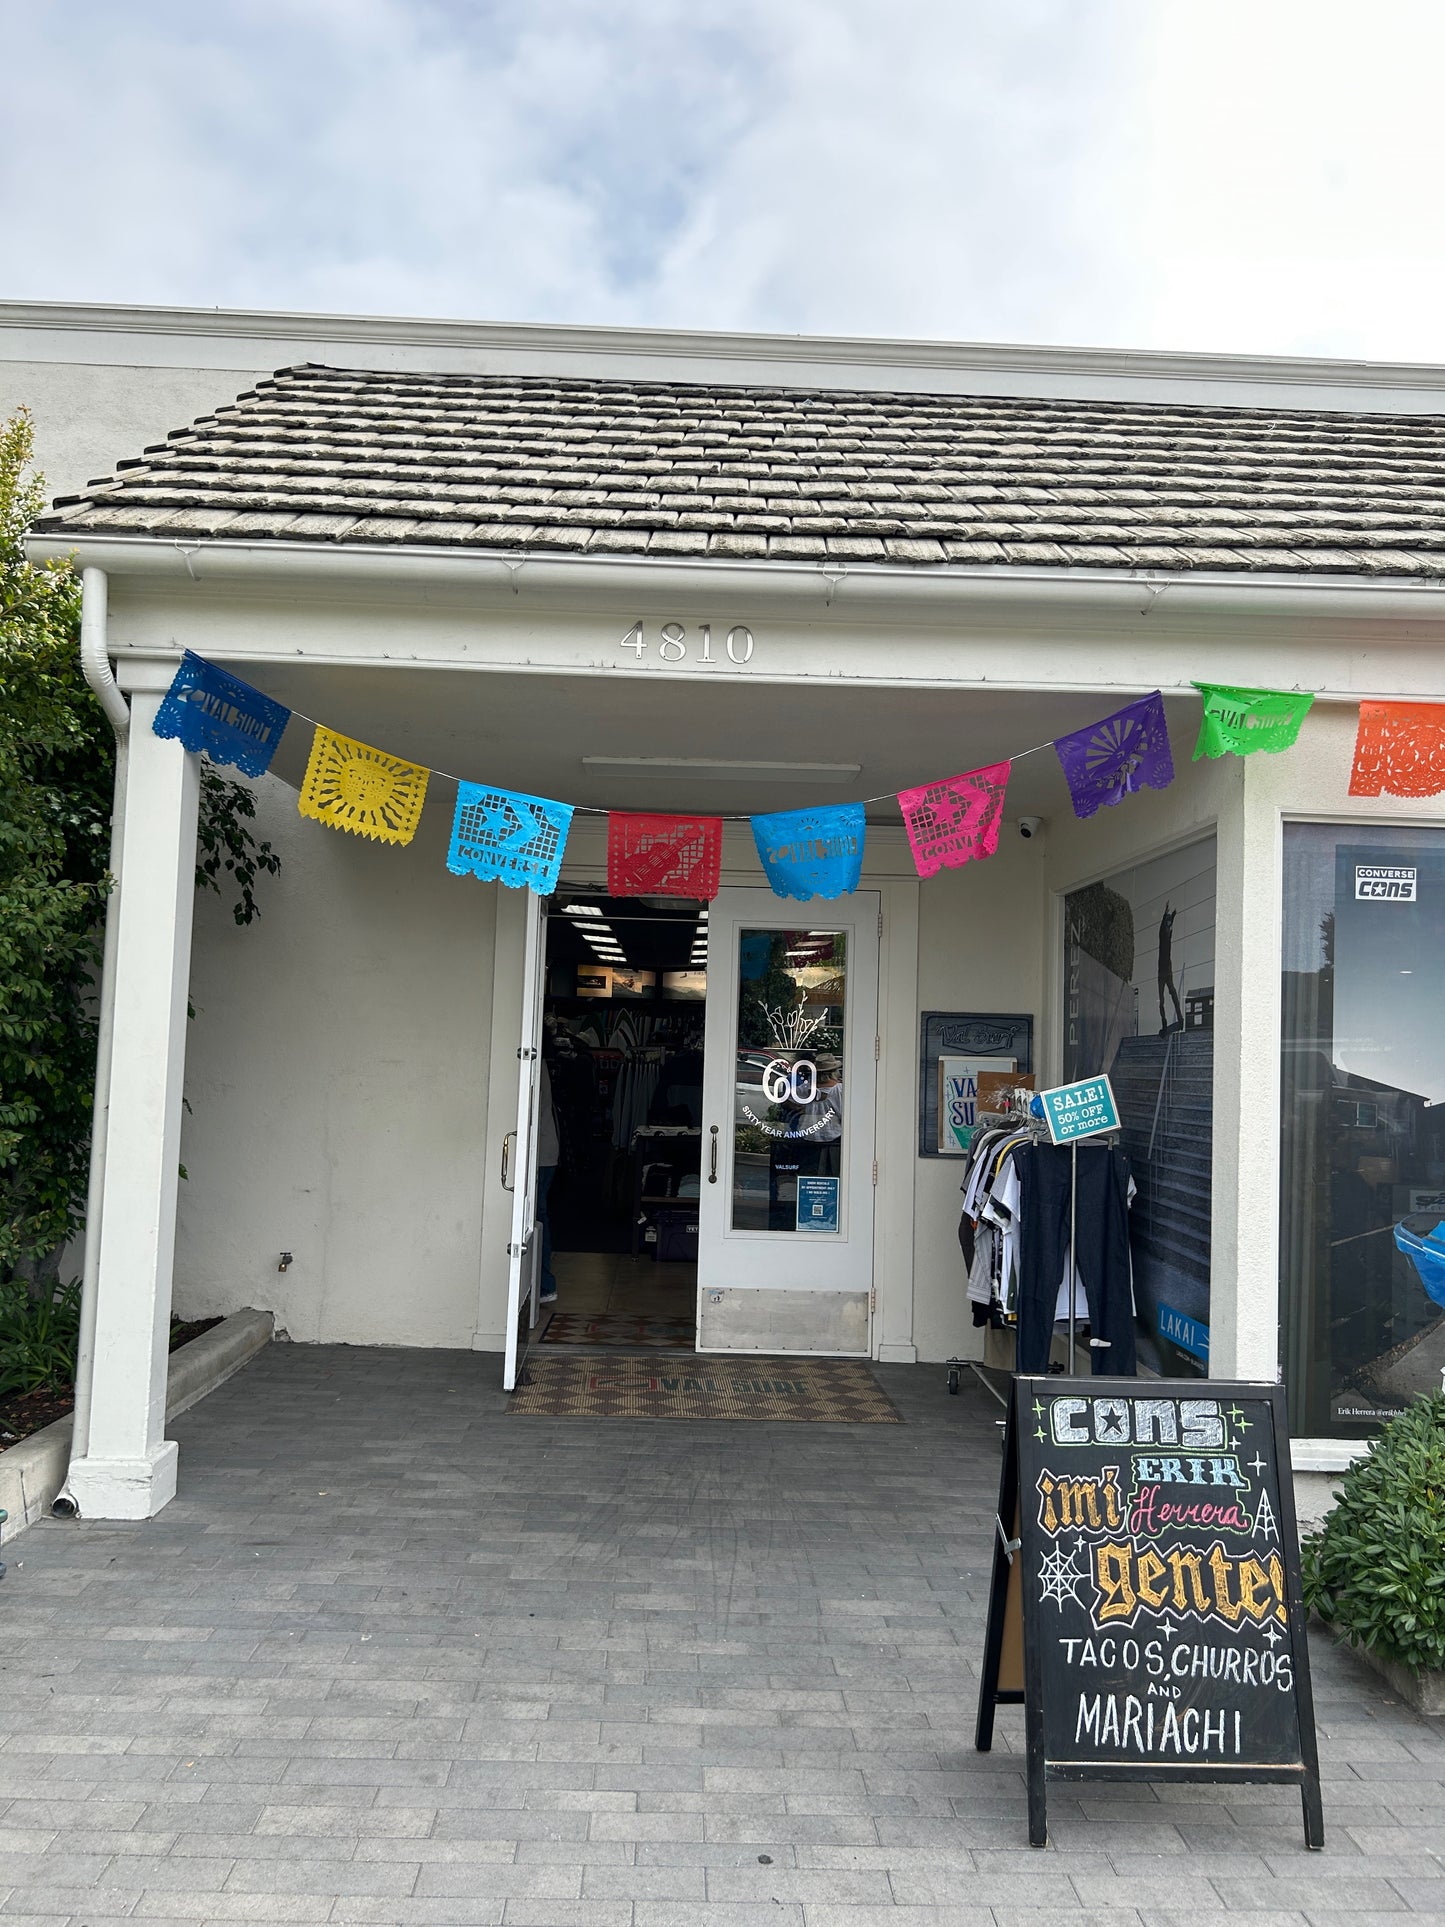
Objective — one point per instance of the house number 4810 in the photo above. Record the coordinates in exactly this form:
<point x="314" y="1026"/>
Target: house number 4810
<point x="672" y="643"/>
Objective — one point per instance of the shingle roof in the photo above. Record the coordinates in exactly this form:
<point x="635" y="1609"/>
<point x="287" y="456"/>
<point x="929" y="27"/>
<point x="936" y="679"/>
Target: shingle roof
<point x="681" y="469"/>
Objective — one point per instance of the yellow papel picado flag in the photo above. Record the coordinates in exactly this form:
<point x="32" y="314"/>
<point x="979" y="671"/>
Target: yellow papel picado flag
<point x="353" y="787"/>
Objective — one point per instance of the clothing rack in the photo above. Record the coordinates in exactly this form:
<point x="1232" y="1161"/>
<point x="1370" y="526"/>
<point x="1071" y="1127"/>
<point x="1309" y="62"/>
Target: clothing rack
<point x="1012" y="1109"/>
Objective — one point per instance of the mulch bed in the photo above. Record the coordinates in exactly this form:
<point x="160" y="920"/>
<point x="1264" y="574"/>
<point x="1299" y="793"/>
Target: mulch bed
<point x="22" y="1413"/>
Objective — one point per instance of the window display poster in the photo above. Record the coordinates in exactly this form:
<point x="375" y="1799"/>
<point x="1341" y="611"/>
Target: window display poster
<point x="992" y="1040"/>
<point x="1363" y="1120"/>
<point x="1139" y="1007"/>
<point x="817" y="1204"/>
<point x="958" y="1099"/>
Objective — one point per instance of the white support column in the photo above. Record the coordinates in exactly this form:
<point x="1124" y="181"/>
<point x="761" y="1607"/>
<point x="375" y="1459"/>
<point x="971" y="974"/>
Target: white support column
<point x="509" y="943"/>
<point x="128" y="1470"/>
<point x="896" y="1142"/>
<point x="1244" y="1298"/>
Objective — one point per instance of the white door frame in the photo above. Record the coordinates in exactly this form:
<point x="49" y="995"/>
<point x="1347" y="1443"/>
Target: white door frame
<point x="519" y="1151"/>
<point x="776" y="1259"/>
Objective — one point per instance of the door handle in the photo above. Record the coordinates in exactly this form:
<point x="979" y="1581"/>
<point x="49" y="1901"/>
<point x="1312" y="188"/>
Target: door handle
<point x="712" y="1158"/>
<point x="507" y="1145"/>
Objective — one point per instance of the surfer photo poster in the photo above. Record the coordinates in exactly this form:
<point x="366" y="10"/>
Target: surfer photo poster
<point x="958" y="1099"/>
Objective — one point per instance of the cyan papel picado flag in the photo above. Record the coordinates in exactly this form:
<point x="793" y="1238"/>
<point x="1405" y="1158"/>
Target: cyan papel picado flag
<point x="520" y="840"/>
<point x="812" y="853"/>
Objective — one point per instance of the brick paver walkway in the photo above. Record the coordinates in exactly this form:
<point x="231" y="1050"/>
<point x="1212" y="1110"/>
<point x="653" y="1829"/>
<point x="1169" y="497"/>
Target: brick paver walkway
<point x="395" y="1657"/>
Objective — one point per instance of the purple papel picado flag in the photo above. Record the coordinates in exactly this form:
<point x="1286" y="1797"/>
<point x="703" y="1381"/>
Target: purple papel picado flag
<point x="1111" y="759"/>
<point x="209" y="709"/>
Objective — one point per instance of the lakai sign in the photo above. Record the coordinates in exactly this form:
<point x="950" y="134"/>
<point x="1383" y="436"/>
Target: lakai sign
<point x="1080" y="1110"/>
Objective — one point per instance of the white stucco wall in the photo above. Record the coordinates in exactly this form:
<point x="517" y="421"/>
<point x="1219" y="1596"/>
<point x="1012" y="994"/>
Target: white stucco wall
<point x="980" y="949"/>
<point x="87" y="417"/>
<point x="337" y="1072"/>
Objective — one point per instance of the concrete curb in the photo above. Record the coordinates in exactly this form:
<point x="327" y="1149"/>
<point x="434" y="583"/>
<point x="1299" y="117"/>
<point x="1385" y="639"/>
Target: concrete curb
<point x="1424" y="1692"/>
<point x="32" y="1472"/>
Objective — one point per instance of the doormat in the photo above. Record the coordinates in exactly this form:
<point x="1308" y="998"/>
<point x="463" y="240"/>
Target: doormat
<point x="824" y="1391"/>
<point x="620" y="1330"/>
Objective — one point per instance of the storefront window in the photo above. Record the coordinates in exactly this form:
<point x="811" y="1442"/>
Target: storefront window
<point x="788" y="1094"/>
<point x="1139" y="1005"/>
<point x="1362" y="1151"/>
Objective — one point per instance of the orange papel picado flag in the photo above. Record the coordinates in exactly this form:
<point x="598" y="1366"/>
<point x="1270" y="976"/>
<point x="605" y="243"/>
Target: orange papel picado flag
<point x="351" y="786"/>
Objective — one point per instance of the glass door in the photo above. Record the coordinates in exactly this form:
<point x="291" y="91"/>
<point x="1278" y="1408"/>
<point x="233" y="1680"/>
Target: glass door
<point x="785" y="1225"/>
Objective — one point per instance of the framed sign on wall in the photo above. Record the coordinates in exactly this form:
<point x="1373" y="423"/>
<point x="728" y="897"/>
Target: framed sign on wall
<point x="954" y="1045"/>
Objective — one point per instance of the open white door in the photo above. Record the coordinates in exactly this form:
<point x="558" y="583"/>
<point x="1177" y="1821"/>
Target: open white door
<point x="785" y="1219"/>
<point x="519" y="1153"/>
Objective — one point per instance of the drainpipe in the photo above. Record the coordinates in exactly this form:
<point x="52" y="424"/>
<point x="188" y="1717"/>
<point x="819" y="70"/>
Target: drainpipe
<point x="95" y="664"/>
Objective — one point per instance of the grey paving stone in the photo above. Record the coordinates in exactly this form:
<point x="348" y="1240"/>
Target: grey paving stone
<point x="645" y="1883"/>
<point x="789" y="1883"/>
<point x="178" y="1904"/>
<point x="712" y="1913"/>
<point x="354" y="1822"/>
<point x="830" y="1914"/>
<point x="480" y="1881"/>
<point x="67" y="1903"/>
<point x="744" y="1642"/>
<point x="452" y="1911"/>
<point x="1315" y="1893"/>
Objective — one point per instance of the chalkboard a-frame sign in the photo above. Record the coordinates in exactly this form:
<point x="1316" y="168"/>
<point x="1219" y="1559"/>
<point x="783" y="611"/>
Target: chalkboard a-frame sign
<point x="1146" y="1603"/>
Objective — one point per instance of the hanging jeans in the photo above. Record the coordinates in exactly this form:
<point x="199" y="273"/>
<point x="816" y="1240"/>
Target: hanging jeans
<point x="1102" y="1259"/>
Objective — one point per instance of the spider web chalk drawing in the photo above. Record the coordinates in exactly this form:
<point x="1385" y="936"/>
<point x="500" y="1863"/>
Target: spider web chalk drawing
<point x="1110" y="760"/>
<point x="1266" y="1526"/>
<point x="351" y="786"/>
<point x="1059" y="1578"/>
<point x="504" y="834"/>
<point x="207" y="708"/>
<point x="1399" y="750"/>
<point x="955" y="821"/>
<point x="667" y="856"/>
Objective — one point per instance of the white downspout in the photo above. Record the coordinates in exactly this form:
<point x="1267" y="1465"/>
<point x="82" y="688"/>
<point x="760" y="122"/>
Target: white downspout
<point x="95" y="663"/>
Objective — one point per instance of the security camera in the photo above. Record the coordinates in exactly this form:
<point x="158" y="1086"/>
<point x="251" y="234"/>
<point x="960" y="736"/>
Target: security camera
<point x="1031" y="826"/>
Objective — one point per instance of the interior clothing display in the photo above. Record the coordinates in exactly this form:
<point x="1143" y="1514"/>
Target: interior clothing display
<point x="677" y="1095"/>
<point x="1101" y="1252"/>
<point x="632" y="1099"/>
<point x="549" y="1142"/>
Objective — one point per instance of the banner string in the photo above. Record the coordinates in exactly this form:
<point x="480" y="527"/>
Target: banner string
<point x="601" y="809"/>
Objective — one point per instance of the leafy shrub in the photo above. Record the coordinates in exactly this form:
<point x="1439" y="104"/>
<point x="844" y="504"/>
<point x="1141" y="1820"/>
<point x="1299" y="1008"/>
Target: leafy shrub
<point x="1376" y="1568"/>
<point x="38" y="1337"/>
<point x="57" y="765"/>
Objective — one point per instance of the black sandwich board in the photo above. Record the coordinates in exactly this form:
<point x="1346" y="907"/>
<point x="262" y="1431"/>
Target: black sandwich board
<point x="1146" y="1604"/>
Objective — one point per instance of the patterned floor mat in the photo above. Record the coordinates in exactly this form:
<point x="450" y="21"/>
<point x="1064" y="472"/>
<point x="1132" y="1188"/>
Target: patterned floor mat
<point x="828" y="1391"/>
<point x="620" y="1329"/>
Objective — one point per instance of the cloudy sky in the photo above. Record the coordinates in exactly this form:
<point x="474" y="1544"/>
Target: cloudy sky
<point x="1241" y="175"/>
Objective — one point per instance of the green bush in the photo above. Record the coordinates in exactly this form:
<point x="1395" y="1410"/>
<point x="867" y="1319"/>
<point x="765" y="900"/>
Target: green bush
<point x="1377" y="1567"/>
<point x="57" y="765"/>
<point x="38" y="1338"/>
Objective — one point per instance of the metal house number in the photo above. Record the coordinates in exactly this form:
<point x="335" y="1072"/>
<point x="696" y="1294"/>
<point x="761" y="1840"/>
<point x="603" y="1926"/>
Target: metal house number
<point x="673" y="644"/>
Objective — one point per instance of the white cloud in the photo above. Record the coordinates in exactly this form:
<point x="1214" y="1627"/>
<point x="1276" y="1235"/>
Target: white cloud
<point x="1297" y="148"/>
<point x="1146" y="172"/>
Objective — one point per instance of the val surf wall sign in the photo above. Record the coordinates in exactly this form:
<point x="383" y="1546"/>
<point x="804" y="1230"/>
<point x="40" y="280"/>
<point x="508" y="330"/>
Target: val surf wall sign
<point x="1146" y="1604"/>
